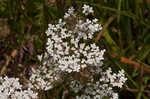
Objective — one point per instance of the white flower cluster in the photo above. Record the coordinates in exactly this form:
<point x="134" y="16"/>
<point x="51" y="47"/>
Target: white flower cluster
<point x="70" y="13"/>
<point x="43" y="77"/>
<point x="104" y="87"/>
<point x="116" y="80"/>
<point x="10" y="88"/>
<point x="67" y="44"/>
<point x="87" y="9"/>
<point x="69" y="49"/>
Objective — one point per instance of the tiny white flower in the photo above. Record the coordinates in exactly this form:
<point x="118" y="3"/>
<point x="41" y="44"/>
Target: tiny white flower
<point x="87" y="9"/>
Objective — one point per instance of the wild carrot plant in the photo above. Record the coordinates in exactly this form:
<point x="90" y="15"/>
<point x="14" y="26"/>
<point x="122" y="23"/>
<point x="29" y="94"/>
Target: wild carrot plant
<point x="70" y="49"/>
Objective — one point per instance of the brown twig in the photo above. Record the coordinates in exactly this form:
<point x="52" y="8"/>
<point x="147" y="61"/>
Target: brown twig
<point x="131" y="89"/>
<point x="13" y="54"/>
<point x="134" y="63"/>
<point x="104" y="27"/>
<point x="135" y="90"/>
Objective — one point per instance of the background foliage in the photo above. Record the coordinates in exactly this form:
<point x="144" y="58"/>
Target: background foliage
<point x="125" y="36"/>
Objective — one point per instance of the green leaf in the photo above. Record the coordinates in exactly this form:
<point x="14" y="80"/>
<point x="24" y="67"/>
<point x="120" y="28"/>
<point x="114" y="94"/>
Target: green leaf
<point x="143" y="52"/>
<point x="110" y="41"/>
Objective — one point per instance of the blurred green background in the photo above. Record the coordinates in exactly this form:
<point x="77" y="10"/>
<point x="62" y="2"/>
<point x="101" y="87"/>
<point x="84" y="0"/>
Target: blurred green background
<point x="125" y="36"/>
